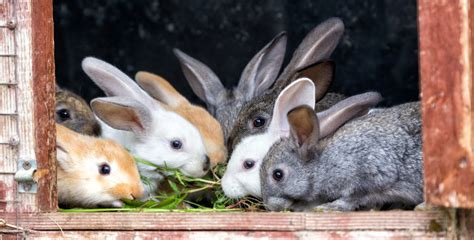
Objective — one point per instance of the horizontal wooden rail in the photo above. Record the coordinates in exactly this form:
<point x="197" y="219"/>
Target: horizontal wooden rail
<point x="237" y="235"/>
<point x="354" y="221"/>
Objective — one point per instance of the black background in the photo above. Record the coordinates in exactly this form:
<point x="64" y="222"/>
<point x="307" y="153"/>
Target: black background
<point x="379" y="50"/>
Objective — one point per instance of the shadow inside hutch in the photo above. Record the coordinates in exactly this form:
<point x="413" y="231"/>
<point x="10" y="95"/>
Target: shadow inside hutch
<point x="378" y="51"/>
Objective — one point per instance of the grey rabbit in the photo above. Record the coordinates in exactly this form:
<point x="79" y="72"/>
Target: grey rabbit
<point x="309" y="60"/>
<point x="372" y="160"/>
<point x="73" y="112"/>
<point x="259" y="75"/>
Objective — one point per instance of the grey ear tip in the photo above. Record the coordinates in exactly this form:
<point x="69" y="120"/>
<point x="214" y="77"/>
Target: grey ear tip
<point x="89" y="61"/>
<point x="180" y="54"/>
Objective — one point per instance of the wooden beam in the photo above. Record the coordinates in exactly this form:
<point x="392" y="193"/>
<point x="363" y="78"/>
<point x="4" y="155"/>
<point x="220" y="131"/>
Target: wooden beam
<point x="446" y="75"/>
<point x="44" y="103"/>
<point x="353" y="221"/>
<point x="236" y="235"/>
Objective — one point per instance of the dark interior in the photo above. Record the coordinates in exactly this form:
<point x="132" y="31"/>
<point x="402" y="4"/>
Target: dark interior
<point x="379" y="50"/>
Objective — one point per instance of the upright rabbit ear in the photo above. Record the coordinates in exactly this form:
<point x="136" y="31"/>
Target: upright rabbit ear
<point x="160" y="89"/>
<point x="113" y="81"/>
<point x="300" y="92"/>
<point x="123" y="113"/>
<point x="204" y="82"/>
<point x="345" y="110"/>
<point x="261" y="72"/>
<point x="321" y="74"/>
<point x="304" y="129"/>
<point x="315" y="47"/>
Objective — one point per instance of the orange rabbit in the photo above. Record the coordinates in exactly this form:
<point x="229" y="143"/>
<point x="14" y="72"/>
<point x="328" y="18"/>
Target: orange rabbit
<point x="94" y="172"/>
<point x="208" y="126"/>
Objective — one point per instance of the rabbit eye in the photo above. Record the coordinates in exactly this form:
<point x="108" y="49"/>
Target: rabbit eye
<point x="248" y="164"/>
<point x="63" y="114"/>
<point x="258" y="122"/>
<point x="104" y="169"/>
<point x="278" y="175"/>
<point x="176" y="144"/>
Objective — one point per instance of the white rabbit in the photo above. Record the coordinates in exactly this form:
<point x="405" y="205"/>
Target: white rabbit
<point x="144" y="126"/>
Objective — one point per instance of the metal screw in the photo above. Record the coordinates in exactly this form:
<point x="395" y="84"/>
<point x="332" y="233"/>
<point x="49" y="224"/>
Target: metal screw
<point x="26" y="165"/>
<point x="27" y="186"/>
<point x="14" y="140"/>
<point x="11" y="24"/>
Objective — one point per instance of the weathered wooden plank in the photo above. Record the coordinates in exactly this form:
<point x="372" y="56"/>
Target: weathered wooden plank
<point x="7" y="70"/>
<point x="446" y="74"/>
<point x="7" y="159"/>
<point x="392" y="220"/>
<point x="7" y="99"/>
<point x="8" y="130"/>
<point x="7" y="42"/>
<point x="44" y="102"/>
<point x="237" y="235"/>
<point x="7" y="194"/>
<point x="24" y="102"/>
<point x="5" y="12"/>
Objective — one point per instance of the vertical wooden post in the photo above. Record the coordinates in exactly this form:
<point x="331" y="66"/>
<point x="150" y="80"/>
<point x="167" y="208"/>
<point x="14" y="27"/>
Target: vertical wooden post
<point x="44" y="102"/>
<point x="446" y="88"/>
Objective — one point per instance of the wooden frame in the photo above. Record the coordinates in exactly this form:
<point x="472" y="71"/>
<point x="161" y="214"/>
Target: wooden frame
<point x="446" y="84"/>
<point x="27" y="127"/>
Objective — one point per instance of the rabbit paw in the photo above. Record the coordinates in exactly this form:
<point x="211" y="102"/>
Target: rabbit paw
<point x="425" y="207"/>
<point x="336" y="206"/>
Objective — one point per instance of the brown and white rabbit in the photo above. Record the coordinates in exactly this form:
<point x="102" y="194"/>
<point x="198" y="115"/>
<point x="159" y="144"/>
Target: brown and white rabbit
<point x="94" y="172"/>
<point x="74" y="113"/>
<point x="207" y="125"/>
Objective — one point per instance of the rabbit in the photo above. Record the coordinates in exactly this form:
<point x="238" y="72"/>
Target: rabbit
<point x="241" y="177"/>
<point x="372" y="160"/>
<point x="94" y="172"/>
<point x="208" y="126"/>
<point x="310" y="60"/>
<point x="73" y="112"/>
<point x="225" y="104"/>
<point x="145" y="126"/>
<point x="255" y="117"/>
<point x="228" y="105"/>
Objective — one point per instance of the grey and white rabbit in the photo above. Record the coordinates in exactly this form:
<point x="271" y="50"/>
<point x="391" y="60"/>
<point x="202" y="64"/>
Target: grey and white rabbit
<point x="228" y="105"/>
<point x="73" y="112"/>
<point x="370" y="161"/>
<point x="242" y="176"/>
<point x="256" y="116"/>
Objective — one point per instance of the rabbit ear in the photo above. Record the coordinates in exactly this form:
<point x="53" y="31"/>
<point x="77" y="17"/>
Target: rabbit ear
<point x="300" y="92"/>
<point x="262" y="70"/>
<point x="123" y="113"/>
<point x="321" y="74"/>
<point x="113" y="81"/>
<point x="304" y="129"/>
<point x="345" y="110"/>
<point x="160" y="89"/>
<point x="204" y="82"/>
<point x="315" y="47"/>
<point x="63" y="137"/>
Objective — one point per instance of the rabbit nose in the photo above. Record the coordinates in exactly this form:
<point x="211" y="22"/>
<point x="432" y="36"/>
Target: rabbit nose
<point x="207" y="163"/>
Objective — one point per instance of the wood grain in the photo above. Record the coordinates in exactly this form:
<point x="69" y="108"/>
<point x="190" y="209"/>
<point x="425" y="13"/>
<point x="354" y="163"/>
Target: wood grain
<point x="446" y="75"/>
<point x="44" y="102"/>
<point x="374" y="221"/>
<point x="237" y="235"/>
